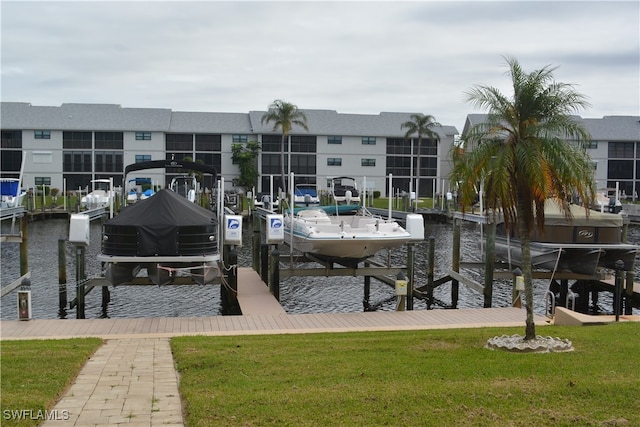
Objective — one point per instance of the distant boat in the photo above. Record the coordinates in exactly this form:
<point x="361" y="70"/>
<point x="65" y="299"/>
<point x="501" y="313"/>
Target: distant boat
<point x="606" y="201"/>
<point x="101" y="196"/>
<point x="306" y="195"/>
<point x="580" y="243"/>
<point x="11" y="193"/>
<point x="344" y="190"/>
<point x="134" y="194"/>
<point x="354" y="237"/>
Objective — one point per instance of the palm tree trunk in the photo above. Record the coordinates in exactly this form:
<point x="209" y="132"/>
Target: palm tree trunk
<point x="525" y="246"/>
<point x="283" y="183"/>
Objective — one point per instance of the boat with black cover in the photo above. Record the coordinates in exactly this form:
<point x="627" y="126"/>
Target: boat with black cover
<point x="166" y="234"/>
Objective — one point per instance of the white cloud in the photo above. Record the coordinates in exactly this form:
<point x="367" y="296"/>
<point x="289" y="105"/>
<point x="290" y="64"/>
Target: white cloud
<point x="365" y="57"/>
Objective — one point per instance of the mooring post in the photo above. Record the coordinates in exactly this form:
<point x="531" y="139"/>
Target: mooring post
<point x="367" y="289"/>
<point x="628" y="297"/>
<point x="80" y="277"/>
<point x="617" y="298"/>
<point x="455" y="265"/>
<point x="256" y="241"/>
<point x="264" y="262"/>
<point x="431" y="270"/>
<point x="274" y="269"/>
<point x="410" y="273"/>
<point x="62" y="278"/>
<point x="24" y="249"/>
<point x="489" y="261"/>
<point x="106" y="298"/>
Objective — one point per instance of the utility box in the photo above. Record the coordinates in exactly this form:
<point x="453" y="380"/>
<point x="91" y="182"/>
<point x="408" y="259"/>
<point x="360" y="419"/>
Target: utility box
<point x="79" y="227"/>
<point x="233" y="230"/>
<point x="275" y="229"/>
<point x="415" y="226"/>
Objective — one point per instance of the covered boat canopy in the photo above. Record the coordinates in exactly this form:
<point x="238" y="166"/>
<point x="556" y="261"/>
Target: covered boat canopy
<point x="579" y="216"/>
<point x="158" y="222"/>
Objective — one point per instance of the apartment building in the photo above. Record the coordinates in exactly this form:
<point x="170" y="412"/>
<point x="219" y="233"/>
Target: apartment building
<point x="70" y="145"/>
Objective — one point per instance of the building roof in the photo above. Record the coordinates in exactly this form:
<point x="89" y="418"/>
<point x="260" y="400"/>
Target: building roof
<point x="608" y="128"/>
<point x="112" y="117"/>
<point x="101" y="117"/>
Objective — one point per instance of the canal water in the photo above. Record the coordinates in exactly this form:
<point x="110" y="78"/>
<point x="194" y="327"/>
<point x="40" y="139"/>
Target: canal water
<point x="297" y="295"/>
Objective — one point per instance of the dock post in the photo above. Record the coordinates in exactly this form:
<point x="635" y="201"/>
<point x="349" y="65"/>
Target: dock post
<point x="62" y="279"/>
<point x="106" y="298"/>
<point x="80" y="276"/>
<point x="455" y="265"/>
<point x="490" y="256"/>
<point x="24" y="252"/>
<point x="256" y="241"/>
<point x="264" y="262"/>
<point x="628" y="297"/>
<point x="229" y="290"/>
<point x="430" y="271"/>
<point x="617" y="297"/>
<point x="367" y="289"/>
<point x="274" y="269"/>
<point x="411" y="275"/>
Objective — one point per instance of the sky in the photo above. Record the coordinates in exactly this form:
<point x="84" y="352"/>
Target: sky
<point x="362" y="57"/>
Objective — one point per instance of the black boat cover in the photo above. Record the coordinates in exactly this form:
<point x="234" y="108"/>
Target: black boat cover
<point x="158" y="220"/>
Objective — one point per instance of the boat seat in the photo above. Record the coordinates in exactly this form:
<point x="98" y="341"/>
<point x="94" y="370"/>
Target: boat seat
<point x="313" y="215"/>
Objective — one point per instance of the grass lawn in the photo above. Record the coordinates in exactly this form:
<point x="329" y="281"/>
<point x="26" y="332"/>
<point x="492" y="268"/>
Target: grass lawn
<point x="433" y="377"/>
<point x="35" y="374"/>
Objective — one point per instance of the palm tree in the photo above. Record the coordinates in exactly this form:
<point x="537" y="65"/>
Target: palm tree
<point x="420" y="125"/>
<point x="284" y="115"/>
<point x="530" y="149"/>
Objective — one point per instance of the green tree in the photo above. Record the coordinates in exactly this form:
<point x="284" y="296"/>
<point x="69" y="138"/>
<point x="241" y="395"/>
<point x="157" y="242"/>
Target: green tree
<point x="422" y="126"/>
<point x="530" y="149"/>
<point x="284" y="116"/>
<point x="245" y="155"/>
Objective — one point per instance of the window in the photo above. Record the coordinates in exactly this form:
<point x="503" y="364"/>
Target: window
<point x="621" y="150"/>
<point x="271" y="143"/>
<point x="106" y="161"/>
<point x="43" y="180"/>
<point x="143" y="136"/>
<point x="334" y="161"/>
<point x="208" y="142"/>
<point x="303" y="144"/>
<point x="11" y="139"/>
<point x="240" y="138"/>
<point x="591" y="145"/>
<point x="143" y="158"/>
<point x="108" y="140"/>
<point x="77" y="161"/>
<point x="304" y="164"/>
<point x="368" y="162"/>
<point x="42" y="134"/>
<point x="179" y="142"/>
<point x="369" y="140"/>
<point x="398" y="146"/>
<point x="76" y="140"/>
<point x="334" y="140"/>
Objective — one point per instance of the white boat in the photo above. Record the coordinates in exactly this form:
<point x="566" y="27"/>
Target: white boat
<point x="137" y="193"/>
<point x="359" y="236"/>
<point x="12" y="194"/>
<point x="306" y="195"/>
<point x="345" y="190"/>
<point x="101" y="196"/>
<point x="186" y="186"/>
<point x="606" y="201"/>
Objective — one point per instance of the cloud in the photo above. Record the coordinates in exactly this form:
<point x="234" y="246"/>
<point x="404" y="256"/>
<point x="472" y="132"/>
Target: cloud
<point x="362" y="57"/>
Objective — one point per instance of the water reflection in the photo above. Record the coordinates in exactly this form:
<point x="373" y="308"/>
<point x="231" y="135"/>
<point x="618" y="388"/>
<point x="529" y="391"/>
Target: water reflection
<point x="298" y="295"/>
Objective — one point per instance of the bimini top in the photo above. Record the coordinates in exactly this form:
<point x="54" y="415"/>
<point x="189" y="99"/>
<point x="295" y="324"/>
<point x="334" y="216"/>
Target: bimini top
<point x="159" y="224"/>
